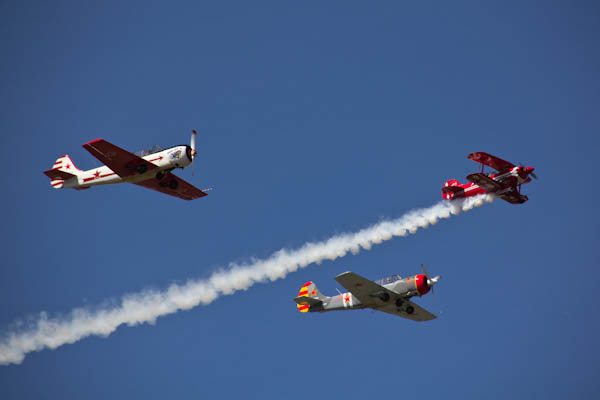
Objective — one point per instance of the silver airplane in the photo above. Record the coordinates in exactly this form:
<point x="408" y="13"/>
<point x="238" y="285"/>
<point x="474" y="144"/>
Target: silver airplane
<point x="390" y="295"/>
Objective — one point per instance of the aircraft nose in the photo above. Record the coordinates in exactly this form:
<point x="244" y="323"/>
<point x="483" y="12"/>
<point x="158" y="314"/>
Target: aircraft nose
<point x="433" y="281"/>
<point x="530" y="172"/>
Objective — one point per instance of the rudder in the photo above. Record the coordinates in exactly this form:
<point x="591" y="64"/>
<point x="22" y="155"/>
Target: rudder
<point x="63" y="169"/>
<point x="309" y="289"/>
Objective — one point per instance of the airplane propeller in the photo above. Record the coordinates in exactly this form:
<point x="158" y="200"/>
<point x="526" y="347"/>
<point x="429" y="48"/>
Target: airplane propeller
<point x="430" y="281"/>
<point x="530" y="172"/>
<point x="193" y="147"/>
<point x="533" y="174"/>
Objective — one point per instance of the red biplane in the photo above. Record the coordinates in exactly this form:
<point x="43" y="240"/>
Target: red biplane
<point x="506" y="183"/>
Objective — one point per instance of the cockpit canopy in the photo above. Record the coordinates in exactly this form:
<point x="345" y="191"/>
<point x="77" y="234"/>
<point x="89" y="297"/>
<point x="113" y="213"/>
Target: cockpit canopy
<point x="151" y="150"/>
<point x="388" y="280"/>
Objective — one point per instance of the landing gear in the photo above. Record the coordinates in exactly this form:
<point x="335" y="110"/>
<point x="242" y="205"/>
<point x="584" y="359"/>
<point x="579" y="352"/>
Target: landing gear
<point x="173" y="184"/>
<point x="160" y="175"/>
<point x="142" y="168"/>
<point x="383" y="296"/>
<point x="399" y="302"/>
<point x="410" y="309"/>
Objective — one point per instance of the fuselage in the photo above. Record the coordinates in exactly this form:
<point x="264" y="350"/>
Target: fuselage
<point x="403" y="288"/>
<point x="165" y="160"/>
<point x="509" y="179"/>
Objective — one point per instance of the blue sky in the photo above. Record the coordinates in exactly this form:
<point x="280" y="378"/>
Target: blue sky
<point x="313" y="119"/>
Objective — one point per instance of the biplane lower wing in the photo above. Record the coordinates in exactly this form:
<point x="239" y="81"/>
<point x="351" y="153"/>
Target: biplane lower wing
<point x="418" y="313"/>
<point x="120" y="161"/>
<point x="173" y="186"/>
<point x="485" y="182"/>
<point x="363" y="289"/>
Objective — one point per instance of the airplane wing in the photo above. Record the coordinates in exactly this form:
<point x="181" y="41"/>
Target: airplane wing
<point x="174" y="186"/>
<point x="419" y="314"/>
<point x="514" y="197"/>
<point x="491" y="161"/>
<point x="485" y="182"/>
<point x="120" y="161"/>
<point x="365" y="290"/>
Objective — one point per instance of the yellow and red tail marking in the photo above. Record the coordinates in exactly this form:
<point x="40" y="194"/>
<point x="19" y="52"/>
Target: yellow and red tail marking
<point x="304" y="293"/>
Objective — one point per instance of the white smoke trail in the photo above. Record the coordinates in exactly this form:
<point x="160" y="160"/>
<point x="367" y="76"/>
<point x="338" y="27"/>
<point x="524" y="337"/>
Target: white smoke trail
<point x="148" y="305"/>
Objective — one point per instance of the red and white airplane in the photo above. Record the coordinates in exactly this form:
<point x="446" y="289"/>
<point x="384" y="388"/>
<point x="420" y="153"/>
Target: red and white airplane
<point x="151" y="169"/>
<point x="505" y="184"/>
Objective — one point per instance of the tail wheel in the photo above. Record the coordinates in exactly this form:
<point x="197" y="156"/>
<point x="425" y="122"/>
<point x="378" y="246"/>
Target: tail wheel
<point x="410" y="309"/>
<point x="173" y="184"/>
<point x="160" y="175"/>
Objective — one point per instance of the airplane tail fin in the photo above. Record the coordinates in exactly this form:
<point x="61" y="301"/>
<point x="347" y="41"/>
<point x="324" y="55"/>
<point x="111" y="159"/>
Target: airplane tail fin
<point x="309" y="296"/>
<point x="451" y="188"/>
<point x="62" y="170"/>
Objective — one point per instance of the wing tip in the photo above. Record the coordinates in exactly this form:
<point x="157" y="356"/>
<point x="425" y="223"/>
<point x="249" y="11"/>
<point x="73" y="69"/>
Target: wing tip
<point x="92" y="141"/>
<point x="344" y="274"/>
<point x="476" y="155"/>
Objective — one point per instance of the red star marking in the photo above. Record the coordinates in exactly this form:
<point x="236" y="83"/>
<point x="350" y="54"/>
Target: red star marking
<point x="68" y="166"/>
<point x="313" y="292"/>
<point x="346" y="297"/>
<point x="358" y="284"/>
<point x="97" y="174"/>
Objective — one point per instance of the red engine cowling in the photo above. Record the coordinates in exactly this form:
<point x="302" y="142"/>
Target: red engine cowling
<point x="421" y="284"/>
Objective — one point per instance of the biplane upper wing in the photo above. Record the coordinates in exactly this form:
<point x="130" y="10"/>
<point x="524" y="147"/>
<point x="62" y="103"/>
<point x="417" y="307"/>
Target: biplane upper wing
<point x="419" y="313"/>
<point x="485" y="182"/>
<point x="365" y="290"/>
<point x="173" y="185"/>
<point x="120" y="161"/>
<point x="491" y="161"/>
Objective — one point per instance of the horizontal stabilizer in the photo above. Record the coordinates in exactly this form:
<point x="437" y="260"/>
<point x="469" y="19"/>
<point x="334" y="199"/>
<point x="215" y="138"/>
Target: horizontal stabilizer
<point x="304" y="300"/>
<point x="452" y="189"/>
<point x="58" y="174"/>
